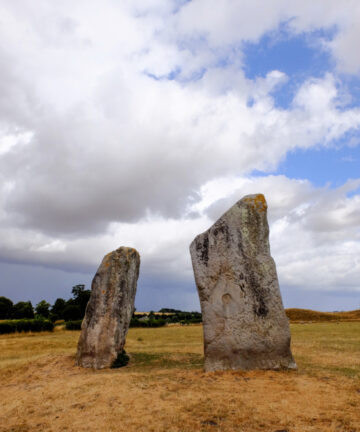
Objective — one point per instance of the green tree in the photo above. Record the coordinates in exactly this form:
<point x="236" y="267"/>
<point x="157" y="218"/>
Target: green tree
<point x="80" y="298"/>
<point x="58" y="308"/>
<point x="72" y="313"/>
<point x="77" y="290"/>
<point x="43" y="309"/>
<point x="6" y="308"/>
<point x="23" y="310"/>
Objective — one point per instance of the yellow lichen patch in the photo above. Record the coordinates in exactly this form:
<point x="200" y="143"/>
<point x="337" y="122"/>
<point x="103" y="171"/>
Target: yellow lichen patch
<point x="129" y="252"/>
<point x="107" y="259"/>
<point x="258" y="201"/>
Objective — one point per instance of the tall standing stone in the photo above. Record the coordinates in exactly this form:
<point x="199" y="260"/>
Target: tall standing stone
<point x="245" y="325"/>
<point x="109" y="310"/>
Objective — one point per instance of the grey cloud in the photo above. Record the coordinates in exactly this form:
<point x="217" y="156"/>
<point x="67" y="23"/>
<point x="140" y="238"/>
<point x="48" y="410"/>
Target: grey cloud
<point x="282" y="194"/>
<point x="112" y="146"/>
<point x="22" y="282"/>
<point x="309" y="263"/>
<point x="115" y="145"/>
<point x="335" y="211"/>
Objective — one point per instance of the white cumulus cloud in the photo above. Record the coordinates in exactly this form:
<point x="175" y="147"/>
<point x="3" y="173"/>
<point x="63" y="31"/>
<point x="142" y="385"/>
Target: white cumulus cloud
<point x="133" y="123"/>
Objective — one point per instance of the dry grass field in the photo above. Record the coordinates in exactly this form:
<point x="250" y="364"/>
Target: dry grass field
<point x="164" y="388"/>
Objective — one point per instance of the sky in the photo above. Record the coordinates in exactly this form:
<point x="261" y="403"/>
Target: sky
<point x="139" y="124"/>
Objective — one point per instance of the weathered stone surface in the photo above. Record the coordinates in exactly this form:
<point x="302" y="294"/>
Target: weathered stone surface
<point x="109" y="311"/>
<point x="245" y="326"/>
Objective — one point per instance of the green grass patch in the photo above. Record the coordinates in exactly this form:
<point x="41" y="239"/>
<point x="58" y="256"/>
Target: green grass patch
<point x="166" y="360"/>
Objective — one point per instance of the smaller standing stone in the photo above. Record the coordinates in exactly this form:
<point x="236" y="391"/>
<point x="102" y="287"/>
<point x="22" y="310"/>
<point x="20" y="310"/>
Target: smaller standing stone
<point x="109" y="310"/>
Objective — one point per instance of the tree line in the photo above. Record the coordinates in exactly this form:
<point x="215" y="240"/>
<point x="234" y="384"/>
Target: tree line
<point x="73" y="311"/>
<point x="68" y="310"/>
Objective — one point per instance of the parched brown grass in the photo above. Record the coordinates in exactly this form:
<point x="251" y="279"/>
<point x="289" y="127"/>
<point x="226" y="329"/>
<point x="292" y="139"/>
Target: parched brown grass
<point x="165" y="389"/>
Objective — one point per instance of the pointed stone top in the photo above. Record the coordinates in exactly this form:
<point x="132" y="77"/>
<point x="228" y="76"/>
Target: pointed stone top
<point x="257" y="201"/>
<point x="122" y="252"/>
<point x="123" y="249"/>
<point x="248" y="216"/>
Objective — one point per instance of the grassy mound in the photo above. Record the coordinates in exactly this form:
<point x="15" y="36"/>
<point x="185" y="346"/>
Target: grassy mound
<point x="298" y="315"/>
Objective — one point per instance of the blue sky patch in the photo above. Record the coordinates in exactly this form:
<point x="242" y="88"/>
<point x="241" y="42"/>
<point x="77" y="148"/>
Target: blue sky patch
<point x="333" y="166"/>
<point x="350" y="92"/>
<point x="298" y="56"/>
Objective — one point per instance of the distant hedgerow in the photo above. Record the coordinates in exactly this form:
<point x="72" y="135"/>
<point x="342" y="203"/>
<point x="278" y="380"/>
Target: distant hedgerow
<point x="26" y="325"/>
<point x="73" y="325"/>
<point x="135" y="322"/>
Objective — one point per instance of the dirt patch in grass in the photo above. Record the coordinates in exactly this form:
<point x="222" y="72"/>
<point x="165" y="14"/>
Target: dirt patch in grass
<point x="164" y="388"/>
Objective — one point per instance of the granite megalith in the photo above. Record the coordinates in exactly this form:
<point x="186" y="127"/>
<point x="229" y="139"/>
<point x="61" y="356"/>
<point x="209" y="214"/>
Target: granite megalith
<point x="109" y="310"/>
<point x="244" y="322"/>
